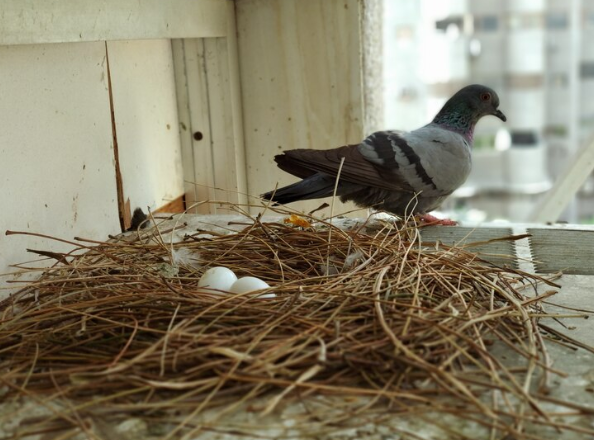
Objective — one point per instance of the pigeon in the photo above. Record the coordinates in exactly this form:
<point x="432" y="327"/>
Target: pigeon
<point x="403" y="173"/>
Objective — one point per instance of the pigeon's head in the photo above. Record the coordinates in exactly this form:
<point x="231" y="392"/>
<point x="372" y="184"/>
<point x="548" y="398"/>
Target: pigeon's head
<point x="482" y="101"/>
<point x="463" y="110"/>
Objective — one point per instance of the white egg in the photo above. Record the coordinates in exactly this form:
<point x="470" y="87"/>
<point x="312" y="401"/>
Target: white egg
<point x="218" y="278"/>
<point x="249" y="284"/>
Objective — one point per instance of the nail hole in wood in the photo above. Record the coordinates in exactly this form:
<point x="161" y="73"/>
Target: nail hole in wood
<point x="198" y="135"/>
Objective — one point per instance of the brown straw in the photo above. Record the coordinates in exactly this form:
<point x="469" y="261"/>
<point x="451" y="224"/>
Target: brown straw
<point x="370" y="314"/>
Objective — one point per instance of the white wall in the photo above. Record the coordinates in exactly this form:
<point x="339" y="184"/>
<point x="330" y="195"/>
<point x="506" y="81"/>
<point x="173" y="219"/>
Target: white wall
<point x="57" y="161"/>
<point x="146" y="121"/>
<point x="57" y="158"/>
<point x="57" y="165"/>
<point x="300" y="71"/>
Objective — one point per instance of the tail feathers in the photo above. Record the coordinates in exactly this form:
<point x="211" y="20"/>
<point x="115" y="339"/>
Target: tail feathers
<point x="314" y="187"/>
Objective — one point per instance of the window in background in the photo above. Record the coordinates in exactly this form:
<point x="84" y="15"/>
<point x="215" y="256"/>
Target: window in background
<point x="523" y="21"/>
<point x="486" y="23"/>
<point x="587" y="70"/>
<point x="557" y="20"/>
<point x="558" y="79"/>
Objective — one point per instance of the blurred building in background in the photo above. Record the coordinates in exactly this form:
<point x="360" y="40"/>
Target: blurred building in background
<point x="535" y="54"/>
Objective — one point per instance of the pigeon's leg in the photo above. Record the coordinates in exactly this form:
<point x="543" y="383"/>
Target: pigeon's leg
<point x="434" y="221"/>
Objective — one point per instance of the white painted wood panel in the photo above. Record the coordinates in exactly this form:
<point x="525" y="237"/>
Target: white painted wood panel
<point x="236" y="104"/>
<point x="59" y="21"/>
<point x="208" y="100"/>
<point x="300" y="70"/>
<point x="147" y="126"/>
<point x="227" y="154"/>
<point x="184" y="117"/>
<point x="56" y="155"/>
<point x="209" y="104"/>
<point x="199" y="122"/>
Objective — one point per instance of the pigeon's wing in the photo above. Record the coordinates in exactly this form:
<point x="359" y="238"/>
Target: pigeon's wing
<point x="370" y="163"/>
<point x="442" y="159"/>
<point x="431" y="160"/>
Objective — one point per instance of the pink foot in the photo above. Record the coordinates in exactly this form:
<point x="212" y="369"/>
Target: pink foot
<point x="434" y="221"/>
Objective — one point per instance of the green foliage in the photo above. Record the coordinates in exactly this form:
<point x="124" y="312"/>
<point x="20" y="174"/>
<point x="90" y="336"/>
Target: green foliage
<point x="484" y="142"/>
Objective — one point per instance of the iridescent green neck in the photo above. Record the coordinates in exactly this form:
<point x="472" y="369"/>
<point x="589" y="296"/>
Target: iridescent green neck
<point x="456" y="120"/>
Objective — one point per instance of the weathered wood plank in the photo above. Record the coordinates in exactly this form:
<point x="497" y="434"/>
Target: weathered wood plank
<point x="501" y="253"/>
<point x="301" y="81"/>
<point x="57" y="163"/>
<point x="567" y="251"/>
<point x="61" y="21"/>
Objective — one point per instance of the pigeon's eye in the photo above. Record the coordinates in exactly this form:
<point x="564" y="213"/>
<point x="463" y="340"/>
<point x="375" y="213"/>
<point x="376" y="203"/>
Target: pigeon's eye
<point x="485" y="96"/>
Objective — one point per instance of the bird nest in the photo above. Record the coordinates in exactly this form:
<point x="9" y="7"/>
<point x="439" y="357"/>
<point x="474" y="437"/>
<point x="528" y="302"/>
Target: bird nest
<point x="369" y="320"/>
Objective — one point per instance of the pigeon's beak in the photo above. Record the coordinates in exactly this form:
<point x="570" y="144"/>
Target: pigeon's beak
<point x="500" y="115"/>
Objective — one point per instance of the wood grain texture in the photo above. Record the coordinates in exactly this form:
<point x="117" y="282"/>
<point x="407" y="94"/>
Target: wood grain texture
<point x="61" y="21"/>
<point x="236" y="109"/>
<point x="227" y="155"/>
<point x="211" y="122"/>
<point x="175" y="206"/>
<point x="501" y="253"/>
<point x="567" y="251"/>
<point x="301" y="84"/>
<point x="199" y="151"/>
<point x="184" y="119"/>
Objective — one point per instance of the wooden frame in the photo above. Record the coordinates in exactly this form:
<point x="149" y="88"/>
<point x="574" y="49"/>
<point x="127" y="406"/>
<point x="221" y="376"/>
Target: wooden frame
<point x="210" y="115"/>
<point x="71" y="21"/>
<point x="287" y="75"/>
<point x="301" y="76"/>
